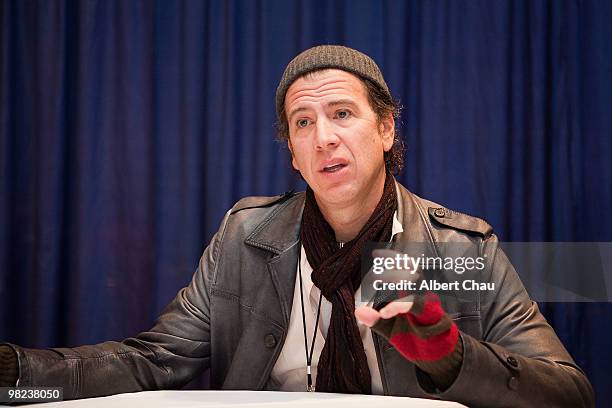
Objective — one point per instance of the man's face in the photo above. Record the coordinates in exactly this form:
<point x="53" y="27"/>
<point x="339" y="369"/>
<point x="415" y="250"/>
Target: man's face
<point x="335" y="139"/>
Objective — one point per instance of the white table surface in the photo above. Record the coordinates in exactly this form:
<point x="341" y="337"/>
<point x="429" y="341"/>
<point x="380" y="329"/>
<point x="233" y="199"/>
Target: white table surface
<point x="247" y="399"/>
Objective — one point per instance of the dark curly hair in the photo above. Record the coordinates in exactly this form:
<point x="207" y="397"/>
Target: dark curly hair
<point x="382" y="105"/>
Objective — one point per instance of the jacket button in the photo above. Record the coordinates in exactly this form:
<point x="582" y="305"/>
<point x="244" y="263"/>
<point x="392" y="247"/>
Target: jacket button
<point x="439" y="212"/>
<point x="513" y="383"/>
<point x="269" y="340"/>
<point x="512" y="361"/>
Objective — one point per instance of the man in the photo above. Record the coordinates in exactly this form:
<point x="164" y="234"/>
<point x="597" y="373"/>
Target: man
<point x="272" y="304"/>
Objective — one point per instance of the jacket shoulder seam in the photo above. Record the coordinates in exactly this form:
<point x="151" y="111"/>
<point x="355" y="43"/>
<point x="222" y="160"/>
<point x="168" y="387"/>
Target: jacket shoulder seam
<point x="459" y="221"/>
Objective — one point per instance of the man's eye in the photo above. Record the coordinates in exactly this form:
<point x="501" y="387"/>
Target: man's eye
<point x="302" y="123"/>
<point x="343" y="114"/>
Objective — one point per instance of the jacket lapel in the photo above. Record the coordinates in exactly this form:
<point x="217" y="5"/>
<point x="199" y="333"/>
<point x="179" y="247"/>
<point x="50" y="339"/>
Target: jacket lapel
<point x="279" y="234"/>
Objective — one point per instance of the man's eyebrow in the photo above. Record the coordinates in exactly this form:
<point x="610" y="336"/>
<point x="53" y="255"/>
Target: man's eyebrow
<point x="342" y="102"/>
<point x="349" y="102"/>
<point x="296" y="110"/>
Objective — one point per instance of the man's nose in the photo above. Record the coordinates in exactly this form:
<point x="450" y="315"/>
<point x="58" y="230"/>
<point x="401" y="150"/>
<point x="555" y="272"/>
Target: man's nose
<point x="325" y="135"/>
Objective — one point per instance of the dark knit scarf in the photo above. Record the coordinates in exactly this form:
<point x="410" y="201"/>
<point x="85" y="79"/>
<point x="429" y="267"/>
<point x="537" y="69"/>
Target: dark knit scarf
<point x="343" y="366"/>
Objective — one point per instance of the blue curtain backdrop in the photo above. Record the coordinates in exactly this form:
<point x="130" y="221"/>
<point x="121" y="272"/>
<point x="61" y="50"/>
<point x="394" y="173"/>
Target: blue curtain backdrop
<point x="128" y="128"/>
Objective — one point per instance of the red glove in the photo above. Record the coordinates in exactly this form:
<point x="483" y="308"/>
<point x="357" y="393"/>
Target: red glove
<point x="422" y="332"/>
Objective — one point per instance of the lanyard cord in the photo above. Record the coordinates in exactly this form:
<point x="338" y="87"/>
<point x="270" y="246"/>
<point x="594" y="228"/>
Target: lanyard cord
<point x="310" y="387"/>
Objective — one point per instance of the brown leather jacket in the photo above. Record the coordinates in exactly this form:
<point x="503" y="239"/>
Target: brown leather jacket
<point x="233" y="318"/>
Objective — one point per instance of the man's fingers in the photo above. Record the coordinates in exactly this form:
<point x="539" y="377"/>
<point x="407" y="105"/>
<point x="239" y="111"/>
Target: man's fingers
<point x="367" y="315"/>
<point x="395" y="308"/>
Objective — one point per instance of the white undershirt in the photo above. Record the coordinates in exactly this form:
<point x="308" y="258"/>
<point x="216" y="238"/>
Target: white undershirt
<point x="290" y="368"/>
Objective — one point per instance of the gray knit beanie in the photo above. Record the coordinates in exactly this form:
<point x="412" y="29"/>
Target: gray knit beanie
<point x="328" y="56"/>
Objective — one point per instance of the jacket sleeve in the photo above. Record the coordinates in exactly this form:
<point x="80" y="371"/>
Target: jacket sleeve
<point x="520" y="361"/>
<point x="169" y="355"/>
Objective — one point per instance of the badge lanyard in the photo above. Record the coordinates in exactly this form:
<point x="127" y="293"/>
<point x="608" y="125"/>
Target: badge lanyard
<point x="310" y="387"/>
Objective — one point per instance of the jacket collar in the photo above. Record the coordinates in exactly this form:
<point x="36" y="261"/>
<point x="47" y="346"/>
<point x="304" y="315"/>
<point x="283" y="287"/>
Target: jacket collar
<point x="280" y="231"/>
<point x="412" y="217"/>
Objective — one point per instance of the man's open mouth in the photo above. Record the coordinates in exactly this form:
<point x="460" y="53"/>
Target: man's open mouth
<point x="333" y="168"/>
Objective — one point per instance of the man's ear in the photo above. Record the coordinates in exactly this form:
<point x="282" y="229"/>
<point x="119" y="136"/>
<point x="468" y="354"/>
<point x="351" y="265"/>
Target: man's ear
<point x="387" y="131"/>
<point x="293" y="162"/>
